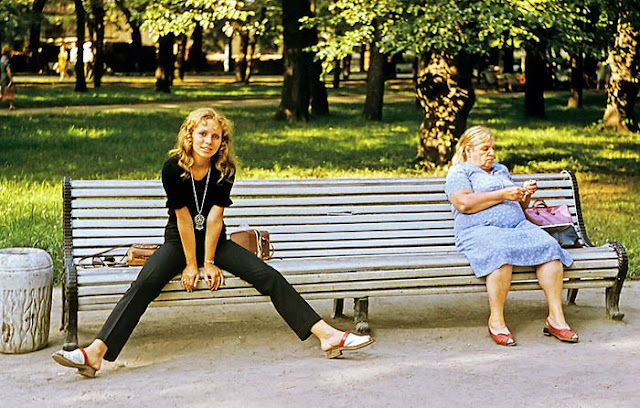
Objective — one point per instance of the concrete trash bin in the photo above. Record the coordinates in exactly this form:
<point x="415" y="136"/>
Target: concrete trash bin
<point x="26" y="285"/>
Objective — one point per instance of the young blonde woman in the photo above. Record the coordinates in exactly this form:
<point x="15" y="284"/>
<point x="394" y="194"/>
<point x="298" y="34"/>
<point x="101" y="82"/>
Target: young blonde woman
<point x="197" y="179"/>
<point x="492" y="232"/>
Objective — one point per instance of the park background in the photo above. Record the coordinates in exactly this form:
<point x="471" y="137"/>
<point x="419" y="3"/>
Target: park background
<point x="533" y="77"/>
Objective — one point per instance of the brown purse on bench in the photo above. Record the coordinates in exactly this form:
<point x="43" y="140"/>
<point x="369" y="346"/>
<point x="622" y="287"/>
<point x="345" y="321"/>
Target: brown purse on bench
<point x="138" y="254"/>
<point x="255" y="241"/>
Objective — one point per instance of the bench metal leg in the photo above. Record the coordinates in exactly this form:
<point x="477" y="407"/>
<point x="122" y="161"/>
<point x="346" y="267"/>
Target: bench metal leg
<point x="571" y="296"/>
<point x="70" y="308"/>
<point x="338" y="308"/>
<point x="361" y="315"/>
<point x="612" y="294"/>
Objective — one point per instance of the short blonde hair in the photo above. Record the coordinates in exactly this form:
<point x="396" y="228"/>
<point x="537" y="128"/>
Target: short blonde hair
<point x="224" y="160"/>
<point x="6" y="51"/>
<point x="473" y="136"/>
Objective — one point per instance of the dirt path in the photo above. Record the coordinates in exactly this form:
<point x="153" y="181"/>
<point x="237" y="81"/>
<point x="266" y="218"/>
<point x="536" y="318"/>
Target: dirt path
<point x="431" y="351"/>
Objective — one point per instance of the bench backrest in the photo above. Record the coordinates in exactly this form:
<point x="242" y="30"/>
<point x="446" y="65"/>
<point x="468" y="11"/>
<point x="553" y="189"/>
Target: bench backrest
<point x="306" y="218"/>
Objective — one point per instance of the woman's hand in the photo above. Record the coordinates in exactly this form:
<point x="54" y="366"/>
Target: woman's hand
<point x="213" y="276"/>
<point x="514" y="193"/>
<point x="530" y="186"/>
<point x="190" y="277"/>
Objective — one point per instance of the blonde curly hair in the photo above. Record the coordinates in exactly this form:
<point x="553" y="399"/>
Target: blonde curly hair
<point x="224" y="160"/>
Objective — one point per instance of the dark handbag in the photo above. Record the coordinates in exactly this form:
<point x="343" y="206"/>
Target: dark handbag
<point x="138" y="254"/>
<point x="255" y="241"/>
<point x="545" y="216"/>
<point x="566" y="236"/>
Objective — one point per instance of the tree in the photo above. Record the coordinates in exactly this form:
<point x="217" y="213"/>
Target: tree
<point x="127" y="9"/>
<point x="33" y="50"/>
<point x="16" y="18"/>
<point x="625" y="69"/>
<point x="166" y="19"/>
<point x="302" y="75"/>
<point x="97" y="19"/>
<point x="81" y="82"/>
<point x="348" y="25"/>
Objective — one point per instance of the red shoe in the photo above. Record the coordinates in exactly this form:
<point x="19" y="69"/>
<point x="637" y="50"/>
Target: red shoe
<point x="502" y="339"/>
<point x="566" y="335"/>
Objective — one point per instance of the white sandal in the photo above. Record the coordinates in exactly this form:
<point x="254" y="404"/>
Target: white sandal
<point x="75" y="359"/>
<point x="349" y="341"/>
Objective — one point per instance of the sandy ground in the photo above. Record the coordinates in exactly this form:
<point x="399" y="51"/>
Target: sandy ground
<point x="431" y="351"/>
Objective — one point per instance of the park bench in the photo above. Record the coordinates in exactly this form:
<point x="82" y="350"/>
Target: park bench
<point x="333" y="238"/>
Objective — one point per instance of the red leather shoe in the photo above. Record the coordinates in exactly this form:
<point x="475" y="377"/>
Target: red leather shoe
<point x="566" y="335"/>
<point x="502" y="339"/>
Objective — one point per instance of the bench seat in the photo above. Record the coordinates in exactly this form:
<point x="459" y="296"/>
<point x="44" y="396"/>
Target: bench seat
<point x="333" y="239"/>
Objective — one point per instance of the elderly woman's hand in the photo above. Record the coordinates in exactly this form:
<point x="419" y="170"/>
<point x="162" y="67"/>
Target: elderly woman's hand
<point x="514" y="193"/>
<point x="530" y="186"/>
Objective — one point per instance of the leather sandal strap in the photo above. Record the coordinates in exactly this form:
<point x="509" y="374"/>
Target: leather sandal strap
<point x="84" y="354"/>
<point x="344" y="338"/>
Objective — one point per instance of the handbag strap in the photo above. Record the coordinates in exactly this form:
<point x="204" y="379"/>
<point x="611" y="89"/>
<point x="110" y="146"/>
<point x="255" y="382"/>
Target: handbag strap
<point x="102" y="262"/>
<point x="539" y="203"/>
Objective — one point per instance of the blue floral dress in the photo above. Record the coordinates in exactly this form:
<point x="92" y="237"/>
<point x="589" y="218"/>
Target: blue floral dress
<point x="500" y="234"/>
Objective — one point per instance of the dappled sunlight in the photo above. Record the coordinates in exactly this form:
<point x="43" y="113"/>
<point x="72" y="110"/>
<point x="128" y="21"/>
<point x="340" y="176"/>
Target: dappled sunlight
<point x="87" y="133"/>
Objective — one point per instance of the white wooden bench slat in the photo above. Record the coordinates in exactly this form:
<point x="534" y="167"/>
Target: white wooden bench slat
<point x="599" y="257"/>
<point x="120" y="184"/>
<point x="517" y="286"/>
<point x="106" y="284"/>
<point x="354" y="289"/>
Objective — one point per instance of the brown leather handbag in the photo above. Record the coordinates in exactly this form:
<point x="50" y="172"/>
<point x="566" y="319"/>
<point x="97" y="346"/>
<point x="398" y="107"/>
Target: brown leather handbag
<point x="255" y="241"/>
<point x="9" y="93"/>
<point x="138" y="254"/>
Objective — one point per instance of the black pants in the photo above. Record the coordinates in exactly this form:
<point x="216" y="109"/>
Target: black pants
<point x="169" y="260"/>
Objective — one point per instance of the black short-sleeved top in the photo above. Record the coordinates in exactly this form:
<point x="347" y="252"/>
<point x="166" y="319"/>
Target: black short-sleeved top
<point x="179" y="192"/>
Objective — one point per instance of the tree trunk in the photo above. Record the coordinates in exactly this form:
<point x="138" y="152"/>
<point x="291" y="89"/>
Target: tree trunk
<point x="346" y="67"/>
<point x="319" y="96"/>
<point x="97" y="9"/>
<point x="81" y="82"/>
<point x="136" y="36"/>
<point x="335" y="73"/>
<point x="446" y="94"/>
<point x="623" y="85"/>
<point x="298" y="64"/>
<point x="535" y="74"/>
<point x="241" y="58"/>
<point x="577" y="82"/>
<point x="251" y="51"/>
<point x="164" y="69"/>
<point x="35" y="63"/>
<point x="181" y="40"/>
<point x="375" y="82"/>
<point x="197" y="60"/>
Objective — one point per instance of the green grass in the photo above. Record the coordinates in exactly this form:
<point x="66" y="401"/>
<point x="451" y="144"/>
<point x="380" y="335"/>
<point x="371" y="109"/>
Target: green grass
<point x="38" y="150"/>
<point x="62" y="94"/>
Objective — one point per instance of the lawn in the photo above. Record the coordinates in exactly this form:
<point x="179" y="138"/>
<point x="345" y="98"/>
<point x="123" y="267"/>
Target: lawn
<point x="38" y="150"/>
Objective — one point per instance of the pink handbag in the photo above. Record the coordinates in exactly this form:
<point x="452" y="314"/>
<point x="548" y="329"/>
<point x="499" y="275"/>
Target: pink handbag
<point x="543" y="215"/>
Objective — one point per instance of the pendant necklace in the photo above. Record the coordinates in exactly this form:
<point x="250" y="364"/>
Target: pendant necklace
<point x="199" y="218"/>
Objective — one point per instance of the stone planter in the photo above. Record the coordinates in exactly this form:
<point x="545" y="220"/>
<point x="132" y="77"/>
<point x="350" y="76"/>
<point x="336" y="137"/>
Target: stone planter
<point x="26" y="284"/>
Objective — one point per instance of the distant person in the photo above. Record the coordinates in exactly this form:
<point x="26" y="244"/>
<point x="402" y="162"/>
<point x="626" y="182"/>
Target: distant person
<point x="73" y="57"/>
<point x="63" y="58"/>
<point x="6" y="78"/>
<point x="492" y="232"/>
<point x="87" y="56"/>
<point x="603" y="74"/>
<point x="197" y="178"/>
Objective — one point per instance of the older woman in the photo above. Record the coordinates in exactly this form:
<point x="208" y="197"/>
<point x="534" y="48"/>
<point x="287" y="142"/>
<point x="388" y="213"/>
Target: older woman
<point x="492" y="232"/>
